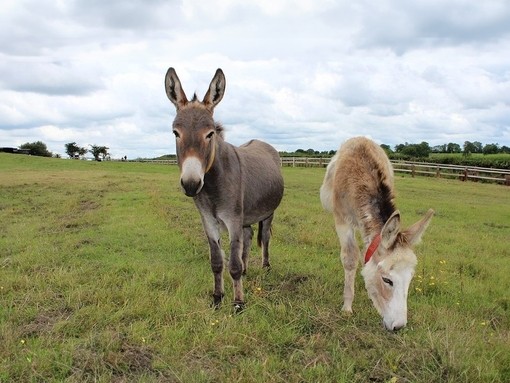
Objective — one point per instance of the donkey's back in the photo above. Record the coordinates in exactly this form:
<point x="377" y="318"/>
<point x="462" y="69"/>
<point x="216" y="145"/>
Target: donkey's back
<point x="359" y="181"/>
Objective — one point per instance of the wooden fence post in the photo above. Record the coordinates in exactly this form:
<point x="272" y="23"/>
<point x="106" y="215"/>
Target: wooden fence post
<point x="413" y="170"/>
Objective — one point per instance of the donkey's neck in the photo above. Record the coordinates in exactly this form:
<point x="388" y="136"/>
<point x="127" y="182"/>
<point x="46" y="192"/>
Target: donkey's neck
<point x="225" y="163"/>
<point x="377" y="209"/>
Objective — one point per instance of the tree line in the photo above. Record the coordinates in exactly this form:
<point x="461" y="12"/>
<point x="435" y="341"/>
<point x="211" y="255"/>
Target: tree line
<point x="421" y="150"/>
<point x="406" y="150"/>
<point x="39" y="148"/>
<point x="100" y="153"/>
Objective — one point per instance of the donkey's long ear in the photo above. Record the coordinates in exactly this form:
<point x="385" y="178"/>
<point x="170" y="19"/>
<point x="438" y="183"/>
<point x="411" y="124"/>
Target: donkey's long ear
<point x="415" y="231"/>
<point x="216" y="90"/>
<point x="174" y="90"/>
<point x="390" y="230"/>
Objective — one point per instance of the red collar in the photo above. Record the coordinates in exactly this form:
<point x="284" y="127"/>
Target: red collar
<point x="372" y="248"/>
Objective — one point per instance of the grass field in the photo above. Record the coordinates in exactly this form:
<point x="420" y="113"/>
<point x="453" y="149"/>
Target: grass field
<point x="104" y="277"/>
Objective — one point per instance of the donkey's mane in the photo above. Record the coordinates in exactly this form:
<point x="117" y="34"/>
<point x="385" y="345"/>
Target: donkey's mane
<point x="220" y="130"/>
<point x="384" y="200"/>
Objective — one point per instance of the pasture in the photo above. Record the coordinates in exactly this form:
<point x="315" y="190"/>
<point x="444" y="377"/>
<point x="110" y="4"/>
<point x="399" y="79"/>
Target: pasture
<point x="105" y="277"/>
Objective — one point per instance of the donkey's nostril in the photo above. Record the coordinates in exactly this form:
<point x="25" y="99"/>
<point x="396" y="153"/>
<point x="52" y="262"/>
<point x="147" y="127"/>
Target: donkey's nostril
<point x="191" y="187"/>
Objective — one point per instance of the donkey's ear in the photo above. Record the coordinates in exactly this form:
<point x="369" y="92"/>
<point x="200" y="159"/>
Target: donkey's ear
<point x="415" y="231"/>
<point x="174" y="90"/>
<point x="390" y="230"/>
<point x="216" y="90"/>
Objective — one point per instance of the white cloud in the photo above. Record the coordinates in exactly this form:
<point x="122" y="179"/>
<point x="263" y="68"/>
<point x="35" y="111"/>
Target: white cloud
<point x="300" y="74"/>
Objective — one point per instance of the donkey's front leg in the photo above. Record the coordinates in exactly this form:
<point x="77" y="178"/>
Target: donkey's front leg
<point x="212" y="230"/>
<point x="217" y="269"/>
<point x="349" y="253"/>
<point x="236" y="266"/>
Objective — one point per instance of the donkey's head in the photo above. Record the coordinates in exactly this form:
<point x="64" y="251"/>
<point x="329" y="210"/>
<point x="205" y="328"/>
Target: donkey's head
<point x="195" y="130"/>
<point x="389" y="271"/>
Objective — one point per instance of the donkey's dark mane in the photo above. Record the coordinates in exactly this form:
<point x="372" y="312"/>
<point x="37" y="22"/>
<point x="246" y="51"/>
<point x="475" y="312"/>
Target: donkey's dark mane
<point x="384" y="199"/>
<point x="220" y="130"/>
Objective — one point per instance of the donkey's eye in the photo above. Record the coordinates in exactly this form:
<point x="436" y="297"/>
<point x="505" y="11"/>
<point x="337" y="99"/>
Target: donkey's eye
<point x="387" y="281"/>
<point x="210" y="134"/>
<point x="176" y="133"/>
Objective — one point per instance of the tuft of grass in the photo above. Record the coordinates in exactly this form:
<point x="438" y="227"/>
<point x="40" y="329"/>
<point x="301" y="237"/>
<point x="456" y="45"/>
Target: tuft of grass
<point x="104" y="276"/>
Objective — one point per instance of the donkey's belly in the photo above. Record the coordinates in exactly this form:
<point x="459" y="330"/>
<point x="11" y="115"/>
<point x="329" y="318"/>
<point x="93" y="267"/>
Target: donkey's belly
<point x="261" y="208"/>
<point x="250" y="219"/>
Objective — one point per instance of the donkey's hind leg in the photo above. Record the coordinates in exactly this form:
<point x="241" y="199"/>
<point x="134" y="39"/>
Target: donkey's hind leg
<point x="349" y="255"/>
<point x="263" y="237"/>
<point x="247" y="236"/>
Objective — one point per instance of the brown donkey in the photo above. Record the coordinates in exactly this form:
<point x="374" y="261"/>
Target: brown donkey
<point x="358" y="190"/>
<point x="232" y="187"/>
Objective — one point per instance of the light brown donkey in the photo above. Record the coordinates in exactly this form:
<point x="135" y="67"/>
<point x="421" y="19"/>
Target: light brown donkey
<point x="232" y="187"/>
<point x="358" y="190"/>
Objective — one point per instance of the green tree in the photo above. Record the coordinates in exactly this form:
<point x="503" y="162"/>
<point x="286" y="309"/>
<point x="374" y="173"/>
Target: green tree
<point x="452" y="147"/>
<point x="440" y="148"/>
<point x="37" y="148"/>
<point x="400" y="147"/>
<point x="74" y="150"/>
<point x="472" y="147"/>
<point x="99" y="152"/>
<point x="421" y="150"/>
<point x="490" y="149"/>
<point x="387" y="149"/>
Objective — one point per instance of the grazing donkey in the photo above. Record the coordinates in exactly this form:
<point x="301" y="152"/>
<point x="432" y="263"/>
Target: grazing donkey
<point x="232" y="187"/>
<point x="358" y="190"/>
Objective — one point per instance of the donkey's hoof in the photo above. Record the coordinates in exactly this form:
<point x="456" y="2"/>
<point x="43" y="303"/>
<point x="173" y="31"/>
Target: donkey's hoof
<point x="217" y="299"/>
<point x="239" y="307"/>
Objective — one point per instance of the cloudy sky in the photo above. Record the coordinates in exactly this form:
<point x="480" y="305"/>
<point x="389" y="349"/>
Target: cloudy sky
<point x="300" y="73"/>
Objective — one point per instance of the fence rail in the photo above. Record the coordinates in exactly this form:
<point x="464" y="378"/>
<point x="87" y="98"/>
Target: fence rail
<point x="162" y="162"/>
<point x="463" y="173"/>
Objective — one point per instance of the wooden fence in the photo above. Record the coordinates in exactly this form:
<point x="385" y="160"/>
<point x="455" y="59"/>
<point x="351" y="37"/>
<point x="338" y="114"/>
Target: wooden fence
<point x="463" y="173"/>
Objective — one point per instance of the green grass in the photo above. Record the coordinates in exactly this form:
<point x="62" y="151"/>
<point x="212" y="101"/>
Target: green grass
<point x="104" y="277"/>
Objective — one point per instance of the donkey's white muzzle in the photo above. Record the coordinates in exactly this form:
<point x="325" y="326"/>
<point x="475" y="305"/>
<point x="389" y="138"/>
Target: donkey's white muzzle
<point x="192" y="176"/>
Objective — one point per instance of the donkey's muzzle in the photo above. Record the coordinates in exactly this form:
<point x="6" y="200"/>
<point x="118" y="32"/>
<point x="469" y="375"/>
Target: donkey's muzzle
<point x="192" y="187"/>
<point x="192" y="176"/>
